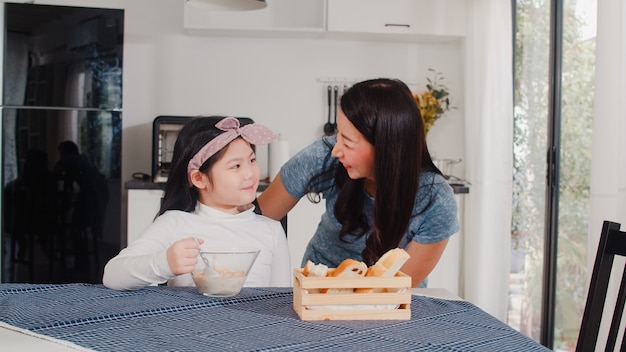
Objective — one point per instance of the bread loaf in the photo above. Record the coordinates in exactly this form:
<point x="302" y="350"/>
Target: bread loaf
<point x="387" y="265"/>
<point x="315" y="270"/>
<point x="347" y="268"/>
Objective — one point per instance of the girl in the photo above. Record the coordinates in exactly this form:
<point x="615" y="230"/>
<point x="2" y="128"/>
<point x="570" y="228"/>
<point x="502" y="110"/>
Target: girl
<point x="214" y="173"/>
<point x="381" y="187"/>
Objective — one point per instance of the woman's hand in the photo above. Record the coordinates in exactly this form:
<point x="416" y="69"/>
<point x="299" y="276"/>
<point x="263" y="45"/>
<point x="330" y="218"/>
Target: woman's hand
<point x="182" y="256"/>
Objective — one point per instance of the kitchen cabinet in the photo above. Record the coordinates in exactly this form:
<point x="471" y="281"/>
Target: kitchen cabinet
<point x="411" y="18"/>
<point x="300" y="18"/>
<point x="303" y="220"/>
<point x="143" y="205"/>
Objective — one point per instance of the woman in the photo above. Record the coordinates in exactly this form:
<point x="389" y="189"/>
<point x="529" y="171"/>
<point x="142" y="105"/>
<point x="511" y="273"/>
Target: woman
<point x="381" y="187"/>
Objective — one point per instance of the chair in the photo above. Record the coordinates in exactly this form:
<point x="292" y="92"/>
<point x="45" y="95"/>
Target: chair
<point x="80" y="222"/>
<point x="612" y="243"/>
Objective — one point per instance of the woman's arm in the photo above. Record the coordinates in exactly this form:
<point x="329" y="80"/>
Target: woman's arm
<point x="423" y="259"/>
<point x="275" y="201"/>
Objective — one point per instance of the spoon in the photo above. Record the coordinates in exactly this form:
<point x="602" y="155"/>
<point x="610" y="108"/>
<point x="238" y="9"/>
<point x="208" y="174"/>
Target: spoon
<point x="206" y="261"/>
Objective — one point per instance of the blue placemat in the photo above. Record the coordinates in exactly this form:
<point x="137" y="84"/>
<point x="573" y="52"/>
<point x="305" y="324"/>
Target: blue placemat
<point x="180" y="319"/>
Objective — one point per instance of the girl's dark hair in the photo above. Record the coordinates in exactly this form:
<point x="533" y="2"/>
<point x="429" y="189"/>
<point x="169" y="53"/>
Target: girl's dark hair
<point x="197" y="132"/>
<point x="386" y="114"/>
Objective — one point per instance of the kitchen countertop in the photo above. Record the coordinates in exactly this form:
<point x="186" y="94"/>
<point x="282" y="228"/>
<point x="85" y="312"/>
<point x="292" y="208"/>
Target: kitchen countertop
<point x="458" y="186"/>
<point x="140" y="184"/>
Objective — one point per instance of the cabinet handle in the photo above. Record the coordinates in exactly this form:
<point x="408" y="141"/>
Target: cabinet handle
<point x="397" y="25"/>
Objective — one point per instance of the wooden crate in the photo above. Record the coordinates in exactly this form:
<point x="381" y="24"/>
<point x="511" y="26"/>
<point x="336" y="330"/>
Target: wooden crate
<point x="318" y="306"/>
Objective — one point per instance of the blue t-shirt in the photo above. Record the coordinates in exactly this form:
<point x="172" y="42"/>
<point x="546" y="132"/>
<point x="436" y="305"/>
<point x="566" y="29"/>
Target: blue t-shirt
<point x="435" y="210"/>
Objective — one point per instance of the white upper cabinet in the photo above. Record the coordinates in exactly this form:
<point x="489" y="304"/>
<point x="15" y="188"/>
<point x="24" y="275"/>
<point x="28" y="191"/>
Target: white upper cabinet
<point x="286" y="17"/>
<point x="409" y="18"/>
<point x="413" y="20"/>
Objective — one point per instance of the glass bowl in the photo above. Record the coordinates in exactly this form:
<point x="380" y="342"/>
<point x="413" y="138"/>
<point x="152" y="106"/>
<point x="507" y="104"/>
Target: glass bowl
<point x="225" y="271"/>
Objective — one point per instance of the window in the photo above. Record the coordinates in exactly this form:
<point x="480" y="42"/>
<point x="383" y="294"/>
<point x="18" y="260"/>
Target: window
<point x="554" y="77"/>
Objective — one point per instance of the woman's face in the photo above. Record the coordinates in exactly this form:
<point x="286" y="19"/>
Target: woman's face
<point x="234" y="179"/>
<point x="353" y="150"/>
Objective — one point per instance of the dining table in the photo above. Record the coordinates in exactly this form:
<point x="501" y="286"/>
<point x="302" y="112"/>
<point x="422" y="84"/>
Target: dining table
<point x="91" y="317"/>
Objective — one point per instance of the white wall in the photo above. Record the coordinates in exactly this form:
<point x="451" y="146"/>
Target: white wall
<point x="274" y="81"/>
<point x="608" y="161"/>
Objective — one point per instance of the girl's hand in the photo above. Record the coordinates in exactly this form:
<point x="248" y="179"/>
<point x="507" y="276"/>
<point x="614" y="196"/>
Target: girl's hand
<point x="182" y="256"/>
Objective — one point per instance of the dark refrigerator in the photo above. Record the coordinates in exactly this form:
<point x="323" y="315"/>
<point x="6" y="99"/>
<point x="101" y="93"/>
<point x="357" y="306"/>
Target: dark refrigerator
<point x="61" y="142"/>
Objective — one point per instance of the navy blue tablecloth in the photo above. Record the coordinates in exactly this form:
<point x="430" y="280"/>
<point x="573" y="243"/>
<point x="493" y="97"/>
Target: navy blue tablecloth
<point x="258" y="319"/>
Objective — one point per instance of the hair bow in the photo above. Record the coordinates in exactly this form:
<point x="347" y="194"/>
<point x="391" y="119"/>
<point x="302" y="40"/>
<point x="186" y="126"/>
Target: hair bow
<point x="252" y="133"/>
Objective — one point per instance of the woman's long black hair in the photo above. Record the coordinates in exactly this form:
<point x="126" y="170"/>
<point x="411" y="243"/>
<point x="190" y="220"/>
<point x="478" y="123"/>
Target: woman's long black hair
<point x="197" y="132"/>
<point x="386" y="114"/>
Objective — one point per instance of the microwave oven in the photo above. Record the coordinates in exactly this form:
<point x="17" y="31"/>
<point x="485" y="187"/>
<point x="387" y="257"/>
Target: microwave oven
<point x="165" y="130"/>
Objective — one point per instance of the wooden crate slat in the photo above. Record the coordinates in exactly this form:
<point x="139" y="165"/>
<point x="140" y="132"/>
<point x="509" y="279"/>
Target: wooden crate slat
<point x="373" y="305"/>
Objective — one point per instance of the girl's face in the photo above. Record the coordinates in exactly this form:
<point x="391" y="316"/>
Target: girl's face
<point x="234" y="179"/>
<point x="354" y="151"/>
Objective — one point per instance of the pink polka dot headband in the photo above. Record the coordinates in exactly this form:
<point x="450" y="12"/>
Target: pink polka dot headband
<point x="252" y="133"/>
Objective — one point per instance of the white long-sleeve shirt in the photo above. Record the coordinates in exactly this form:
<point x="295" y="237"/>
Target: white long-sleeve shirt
<point x="144" y="261"/>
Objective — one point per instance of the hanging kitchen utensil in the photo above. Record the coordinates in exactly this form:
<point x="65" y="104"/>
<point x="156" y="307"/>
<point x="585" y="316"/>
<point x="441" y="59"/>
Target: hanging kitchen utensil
<point x="336" y="103"/>
<point x="328" y="126"/>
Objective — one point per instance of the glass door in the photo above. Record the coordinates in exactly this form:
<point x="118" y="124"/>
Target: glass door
<point x="530" y="142"/>
<point x="554" y="68"/>
<point x="576" y="107"/>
